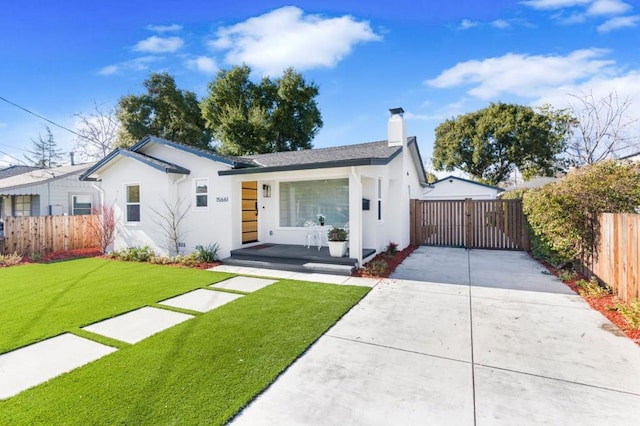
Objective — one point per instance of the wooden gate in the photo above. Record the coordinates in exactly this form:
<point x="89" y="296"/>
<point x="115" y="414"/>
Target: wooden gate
<point x="485" y="224"/>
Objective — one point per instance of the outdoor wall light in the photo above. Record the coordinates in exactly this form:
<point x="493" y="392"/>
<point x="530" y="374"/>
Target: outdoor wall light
<point x="266" y="191"/>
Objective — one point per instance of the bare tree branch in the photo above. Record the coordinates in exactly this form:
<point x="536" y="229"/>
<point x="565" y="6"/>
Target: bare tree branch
<point x="98" y="131"/>
<point x="601" y="128"/>
<point x="170" y="219"/>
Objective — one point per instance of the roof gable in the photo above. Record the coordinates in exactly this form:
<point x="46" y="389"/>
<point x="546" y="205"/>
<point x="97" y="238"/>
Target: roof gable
<point x="156" y="163"/>
<point x="467" y="181"/>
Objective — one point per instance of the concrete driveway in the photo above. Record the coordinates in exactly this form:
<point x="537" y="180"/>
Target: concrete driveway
<point x="461" y="337"/>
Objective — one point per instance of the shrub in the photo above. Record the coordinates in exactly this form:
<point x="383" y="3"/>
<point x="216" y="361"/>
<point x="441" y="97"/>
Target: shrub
<point x="563" y="216"/>
<point x="392" y="248"/>
<point x="592" y="288"/>
<point x="36" y="256"/>
<point x="207" y="254"/>
<point x="376" y="268"/>
<point x="10" y="259"/>
<point x="631" y="312"/>
<point x="134" y="254"/>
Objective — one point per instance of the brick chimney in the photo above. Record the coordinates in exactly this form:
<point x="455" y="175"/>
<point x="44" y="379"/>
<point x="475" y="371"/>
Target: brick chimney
<point x="396" y="132"/>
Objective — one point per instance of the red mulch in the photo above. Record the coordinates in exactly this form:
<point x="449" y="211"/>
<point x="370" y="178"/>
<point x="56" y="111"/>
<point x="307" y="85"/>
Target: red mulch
<point x="392" y="262"/>
<point x="71" y="254"/>
<point x="605" y="305"/>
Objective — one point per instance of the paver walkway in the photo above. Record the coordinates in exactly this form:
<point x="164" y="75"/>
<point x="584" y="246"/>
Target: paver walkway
<point x="32" y="365"/>
<point x="470" y="337"/>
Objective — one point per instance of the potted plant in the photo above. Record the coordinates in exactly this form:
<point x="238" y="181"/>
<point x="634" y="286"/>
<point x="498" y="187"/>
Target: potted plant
<point x="321" y="219"/>
<point x="337" y="240"/>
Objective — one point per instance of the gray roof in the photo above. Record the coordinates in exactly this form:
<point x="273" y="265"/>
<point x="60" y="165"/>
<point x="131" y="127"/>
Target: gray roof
<point x="468" y="181"/>
<point x="38" y="176"/>
<point x="535" y="182"/>
<point x="15" y="170"/>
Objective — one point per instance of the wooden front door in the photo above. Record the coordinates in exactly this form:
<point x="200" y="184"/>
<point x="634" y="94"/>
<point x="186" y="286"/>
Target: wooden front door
<point x="249" y="212"/>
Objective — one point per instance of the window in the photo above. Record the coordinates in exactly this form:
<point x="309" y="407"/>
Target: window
<point x="133" y="203"/>
<point x="202" y="192"/>
<point x="22" y="205"/>
<point x="305" y="200"/>
<point x="81" y="204"/>
<point x="379" y="198"/>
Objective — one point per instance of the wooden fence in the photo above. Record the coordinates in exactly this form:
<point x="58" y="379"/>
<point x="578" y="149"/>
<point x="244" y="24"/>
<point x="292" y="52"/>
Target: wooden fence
<point x="616" y="259"/>
<point x="487" y="224"/>
<point x="47" y="234"/>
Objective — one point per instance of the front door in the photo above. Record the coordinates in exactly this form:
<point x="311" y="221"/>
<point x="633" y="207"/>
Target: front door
<point x="249" y="212"/>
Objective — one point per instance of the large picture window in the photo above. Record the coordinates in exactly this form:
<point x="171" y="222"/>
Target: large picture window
<point x="133" y="203"/>
<point x="305" y="200"/>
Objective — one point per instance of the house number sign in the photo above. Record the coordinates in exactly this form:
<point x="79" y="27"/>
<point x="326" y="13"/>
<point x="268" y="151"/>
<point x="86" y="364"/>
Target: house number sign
<point x="222" y="199"/>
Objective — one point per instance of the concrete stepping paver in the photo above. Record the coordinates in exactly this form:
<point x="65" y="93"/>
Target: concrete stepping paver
<point x="137" y="325"/>
<point x="201" y="300"/>
<point x="244" y="284"/>
<point x="34" y="364"/>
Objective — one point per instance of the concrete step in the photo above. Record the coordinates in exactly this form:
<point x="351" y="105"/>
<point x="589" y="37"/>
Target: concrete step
<point x="291" y="265"/>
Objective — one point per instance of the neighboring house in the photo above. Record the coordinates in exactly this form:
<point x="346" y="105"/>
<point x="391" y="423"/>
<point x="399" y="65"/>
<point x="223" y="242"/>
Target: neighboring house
<point x="42" y="192"/>
<point x="632" y="157"/>
<point x="456" y="188"/>
<point x="242" y="201"/>
<point x="536" y="182"/>
<point x="15" y="170"/>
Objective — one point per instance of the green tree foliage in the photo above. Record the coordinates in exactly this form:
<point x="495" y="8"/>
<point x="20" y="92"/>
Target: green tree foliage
<point x="269" y="116"/>
<point x="44" y="152"/>
<point x="563" y="215"/>
<point x="488" y="144"/>
<point x="164" y="111"/>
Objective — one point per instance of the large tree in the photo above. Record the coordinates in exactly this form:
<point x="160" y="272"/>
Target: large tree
<point x="273" y="115"/>
<point x="164" y="111"/>
<point x="44" y="152"/>
<point x="490" y="143"/>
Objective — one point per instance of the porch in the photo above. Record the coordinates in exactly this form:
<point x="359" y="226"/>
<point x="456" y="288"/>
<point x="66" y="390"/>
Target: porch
<point x="299" y="258"/>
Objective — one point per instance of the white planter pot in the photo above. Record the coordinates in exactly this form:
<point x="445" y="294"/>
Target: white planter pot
<point x="337" y="248"/>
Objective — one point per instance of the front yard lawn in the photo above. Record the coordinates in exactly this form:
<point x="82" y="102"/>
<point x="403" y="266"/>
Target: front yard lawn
<point x="44" y="300"/>
<point x="202" y="371"/>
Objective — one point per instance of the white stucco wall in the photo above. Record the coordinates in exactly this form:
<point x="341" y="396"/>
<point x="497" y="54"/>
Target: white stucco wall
<point x="455" y="189"/>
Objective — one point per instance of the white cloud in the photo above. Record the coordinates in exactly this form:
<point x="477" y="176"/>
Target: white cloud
<point x="286" y="37"/>
<point x="524" y="75"/>
<point x="619" y="22"/>
<point x="203" y="64"/>
<point x="164" y="28"/>
<point x="501" y="24"/>
<point x="467" y="23"/>
<point x="155" y="44"/>
<point x="608" y="7"/>
<point x="138" y="64"/>
<point x="554" y="4"/>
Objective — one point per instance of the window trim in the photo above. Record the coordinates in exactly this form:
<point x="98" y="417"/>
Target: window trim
<point x="127" y="204"/>
<point x="206" y="194"/>
<point x="73" y="209"/>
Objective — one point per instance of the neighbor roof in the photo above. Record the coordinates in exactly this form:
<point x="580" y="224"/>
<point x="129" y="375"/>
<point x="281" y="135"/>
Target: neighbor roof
<point x="363" y="154"/>
<point x="535" y="182"/>
<point x="38" y="176"/>
<point x="15" y="170"/>
<point x="468" y="181"/>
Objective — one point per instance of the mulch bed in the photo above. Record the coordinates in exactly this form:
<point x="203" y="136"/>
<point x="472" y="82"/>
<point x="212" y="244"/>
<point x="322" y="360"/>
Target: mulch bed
<point x="71" y="254"/>
<point x="603" y="304"/>
<point x="392" y="261"/>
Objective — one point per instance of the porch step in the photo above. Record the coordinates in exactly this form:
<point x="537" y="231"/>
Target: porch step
<point x="294" y="265"/>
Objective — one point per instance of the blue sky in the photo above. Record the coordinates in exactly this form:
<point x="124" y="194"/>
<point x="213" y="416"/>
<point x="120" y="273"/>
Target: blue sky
<point x="435" y="59"/>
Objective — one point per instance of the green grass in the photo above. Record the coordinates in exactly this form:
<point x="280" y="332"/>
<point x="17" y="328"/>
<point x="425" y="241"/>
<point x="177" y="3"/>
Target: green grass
<point x="44" y="300"/>
<point x="202" y="371"/>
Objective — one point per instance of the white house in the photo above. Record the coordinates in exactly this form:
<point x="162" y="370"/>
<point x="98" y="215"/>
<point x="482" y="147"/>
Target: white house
<point x="238" y="202"/>
<point x="456" y="188"/>
<point x="42" y="192"/>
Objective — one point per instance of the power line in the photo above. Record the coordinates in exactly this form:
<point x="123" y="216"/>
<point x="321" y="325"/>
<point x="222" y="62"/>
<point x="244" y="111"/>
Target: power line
<point x="39" y="116"/>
